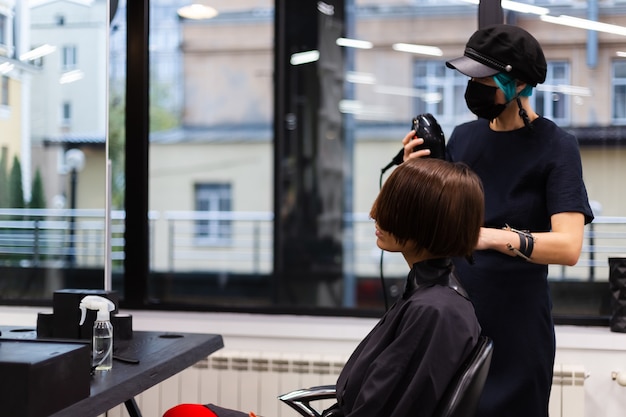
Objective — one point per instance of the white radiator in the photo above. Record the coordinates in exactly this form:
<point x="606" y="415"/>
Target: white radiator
<point x="567" y="398"/>
<point x="250" y="381"/>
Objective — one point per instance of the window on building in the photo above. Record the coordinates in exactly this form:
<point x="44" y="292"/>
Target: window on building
<point x="439" y="91"/>
<point x="213" y="200"/>
<point x="552" y="98"/>
<point x="5" y="91"/>
<point x="66" y="113"/>
<point x="618" y="70"/>
<point x="69" y="57"/>
<point x="3" y="29"/>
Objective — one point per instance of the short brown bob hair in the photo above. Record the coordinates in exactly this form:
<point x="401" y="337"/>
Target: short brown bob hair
<point x="436" y="204"/>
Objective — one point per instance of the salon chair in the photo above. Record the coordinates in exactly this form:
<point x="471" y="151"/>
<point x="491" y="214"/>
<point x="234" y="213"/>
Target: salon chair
<point x="459" y="400"/>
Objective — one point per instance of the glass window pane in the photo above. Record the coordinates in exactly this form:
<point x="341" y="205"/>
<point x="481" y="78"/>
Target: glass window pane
<point x="217" y="196"/>
<point x="53" y="119"/>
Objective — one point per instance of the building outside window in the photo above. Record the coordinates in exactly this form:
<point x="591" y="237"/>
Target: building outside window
<point x="69" y="57"/>
<point x="552" y="98"/>
<point x="5" y="91"/>
<point x="618" y="70"/>
<point x="66" y="114"/>
<point x="3" y="29"/>
<point x="213" y="198"/>
<point x="440" y="92"/>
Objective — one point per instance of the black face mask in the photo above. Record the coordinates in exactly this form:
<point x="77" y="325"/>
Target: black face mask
<point x="480" y="99"/>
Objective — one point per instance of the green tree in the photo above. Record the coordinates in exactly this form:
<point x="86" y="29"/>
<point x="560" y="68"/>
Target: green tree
<point x="117" y="134"/>
<point x="160" y="117"/>
<point x="4" y="180"/>
<point x="38" y="195"/>
<point x="16" y="192"/>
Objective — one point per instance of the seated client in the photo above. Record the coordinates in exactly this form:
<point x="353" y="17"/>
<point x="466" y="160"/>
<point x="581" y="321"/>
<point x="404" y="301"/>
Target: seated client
<point x="429" y="210"/>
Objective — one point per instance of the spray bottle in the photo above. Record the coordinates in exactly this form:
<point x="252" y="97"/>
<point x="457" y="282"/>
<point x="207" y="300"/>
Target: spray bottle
<point x="102" y="343"/>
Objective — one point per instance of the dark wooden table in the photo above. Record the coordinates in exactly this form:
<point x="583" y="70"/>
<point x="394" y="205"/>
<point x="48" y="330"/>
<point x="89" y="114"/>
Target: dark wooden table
<point x="160" y="355"/>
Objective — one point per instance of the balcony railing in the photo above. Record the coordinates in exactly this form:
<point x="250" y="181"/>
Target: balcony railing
<point x="237" y="242"/>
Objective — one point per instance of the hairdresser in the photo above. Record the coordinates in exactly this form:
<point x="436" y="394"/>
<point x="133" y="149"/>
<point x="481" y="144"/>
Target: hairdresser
<point x="536" y="207"/>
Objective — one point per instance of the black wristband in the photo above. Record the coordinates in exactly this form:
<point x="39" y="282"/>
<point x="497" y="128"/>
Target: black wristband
<point x="526" y="243"/>
<point x="522" y="243"/>
<point x="530" y="245"/>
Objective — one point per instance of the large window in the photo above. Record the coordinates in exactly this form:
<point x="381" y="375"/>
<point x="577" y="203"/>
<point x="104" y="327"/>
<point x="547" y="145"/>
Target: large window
<point x="247" y="159"/>
<point x="52" y="176"/>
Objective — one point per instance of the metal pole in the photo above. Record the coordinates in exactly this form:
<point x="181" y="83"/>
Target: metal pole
<point x="72" y="246"/>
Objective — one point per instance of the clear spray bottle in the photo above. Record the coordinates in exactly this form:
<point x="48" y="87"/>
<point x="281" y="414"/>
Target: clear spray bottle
<point x="102" y="343"/>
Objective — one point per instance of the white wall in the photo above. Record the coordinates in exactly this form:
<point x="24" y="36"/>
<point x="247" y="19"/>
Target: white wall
<point x="599" y="350"/>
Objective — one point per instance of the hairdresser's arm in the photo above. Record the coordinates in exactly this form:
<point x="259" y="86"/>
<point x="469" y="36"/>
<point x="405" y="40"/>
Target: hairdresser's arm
<point x="561" y="246"/>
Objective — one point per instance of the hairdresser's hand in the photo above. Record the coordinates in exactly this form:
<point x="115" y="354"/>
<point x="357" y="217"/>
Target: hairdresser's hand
<point x="410" y="143"/>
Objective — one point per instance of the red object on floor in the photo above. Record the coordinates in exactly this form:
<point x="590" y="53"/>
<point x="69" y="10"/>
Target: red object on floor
<point x="189" y="410"/>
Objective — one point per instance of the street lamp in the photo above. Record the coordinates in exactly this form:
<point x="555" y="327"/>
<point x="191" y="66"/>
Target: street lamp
<point x="74" y="162"/>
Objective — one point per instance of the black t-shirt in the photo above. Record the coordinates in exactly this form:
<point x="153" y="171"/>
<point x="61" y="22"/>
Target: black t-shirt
<point x="527" y="177"/>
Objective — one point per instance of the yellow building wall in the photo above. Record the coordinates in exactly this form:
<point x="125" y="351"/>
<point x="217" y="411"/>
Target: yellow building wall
<point x="10" y="122"/>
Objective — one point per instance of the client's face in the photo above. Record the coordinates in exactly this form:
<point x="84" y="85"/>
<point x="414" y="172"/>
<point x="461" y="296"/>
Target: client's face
<point x="386" y="241"/>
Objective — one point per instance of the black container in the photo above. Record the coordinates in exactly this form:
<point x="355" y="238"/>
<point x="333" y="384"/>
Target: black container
<point x="40" y="378"/>
<point x="617" y="284"/>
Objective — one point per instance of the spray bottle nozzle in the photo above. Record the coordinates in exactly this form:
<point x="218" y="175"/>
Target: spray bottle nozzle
<point x="94" y="302"/>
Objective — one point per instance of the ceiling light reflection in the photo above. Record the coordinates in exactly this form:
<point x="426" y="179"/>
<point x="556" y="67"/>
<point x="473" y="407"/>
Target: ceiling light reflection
<point x="517" y="7"/>
<point x="360" y="77"/>
<point x="585" y="24"/>
<point x="364" y="112"/>
<point x="430" y="97"/>
<point x="38" y="52"/>
<point x="305" y="57"/>
<point x="197" y="11"/>
<point x="6" y="67"/>
<point x="417" y="49"/>
<point x="524" y="8"/>
<point x="571" y="90"/>
<point x="354" y="43"/>
<point x="71" y="76"/>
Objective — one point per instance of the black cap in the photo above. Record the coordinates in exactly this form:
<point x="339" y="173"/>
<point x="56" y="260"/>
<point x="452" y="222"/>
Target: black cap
<point x="502" y="48"/>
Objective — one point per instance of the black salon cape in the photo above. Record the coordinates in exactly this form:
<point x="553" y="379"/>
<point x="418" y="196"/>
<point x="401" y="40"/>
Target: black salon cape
<point x="403" y="366"/>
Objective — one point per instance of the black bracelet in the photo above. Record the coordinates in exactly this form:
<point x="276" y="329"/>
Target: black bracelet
<point x="526" y="243"/>
<point x="522" y="243"/>
<point x="530" y="246"/>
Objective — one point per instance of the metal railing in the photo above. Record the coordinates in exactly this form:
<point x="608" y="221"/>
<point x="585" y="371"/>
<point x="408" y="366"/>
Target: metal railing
<point x="237" y="242"/>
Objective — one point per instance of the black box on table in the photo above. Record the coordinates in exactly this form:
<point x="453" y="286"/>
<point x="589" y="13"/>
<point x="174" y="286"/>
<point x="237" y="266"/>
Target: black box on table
<point x="39" y="378"/>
